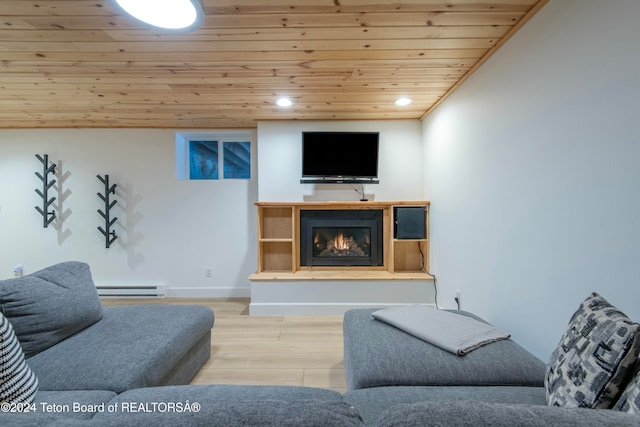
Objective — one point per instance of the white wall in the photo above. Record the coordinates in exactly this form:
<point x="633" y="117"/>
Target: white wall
<point x="279" y="173"/>
<point x="399" y="164"/>
<point x="532" y="170"/>
<point x="170" y="231"/>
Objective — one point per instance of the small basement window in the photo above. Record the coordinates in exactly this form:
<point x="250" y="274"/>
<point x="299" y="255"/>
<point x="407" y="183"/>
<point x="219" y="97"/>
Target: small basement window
<point x="215" y="155"/>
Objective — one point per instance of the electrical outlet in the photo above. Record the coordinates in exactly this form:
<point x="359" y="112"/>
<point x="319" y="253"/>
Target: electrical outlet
<point x="207" y="272"/>
<point x="18" y="270"/>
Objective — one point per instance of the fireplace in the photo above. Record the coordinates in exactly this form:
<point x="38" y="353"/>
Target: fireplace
<point x="341" y="237"/>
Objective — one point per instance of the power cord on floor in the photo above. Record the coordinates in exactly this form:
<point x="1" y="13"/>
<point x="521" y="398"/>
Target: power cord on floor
<point x="435" y="281"/>
<point x="435" y="289"/>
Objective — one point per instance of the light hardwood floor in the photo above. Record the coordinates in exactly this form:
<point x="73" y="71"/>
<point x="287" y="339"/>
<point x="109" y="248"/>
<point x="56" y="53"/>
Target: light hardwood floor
<point x="267" y="350"/>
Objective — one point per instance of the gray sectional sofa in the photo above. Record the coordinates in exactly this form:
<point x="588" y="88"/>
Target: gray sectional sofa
<point x="407" y="370"/>
<point x="396" y="379"/>
<point x="73" y="343"/>
<point x="129" y="366"/>
<point x="191" y="406"/>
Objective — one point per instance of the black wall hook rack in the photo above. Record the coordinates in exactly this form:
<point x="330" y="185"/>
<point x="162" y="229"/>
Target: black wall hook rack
<point x="47" y="215"/>
<point x="109" y="235"/>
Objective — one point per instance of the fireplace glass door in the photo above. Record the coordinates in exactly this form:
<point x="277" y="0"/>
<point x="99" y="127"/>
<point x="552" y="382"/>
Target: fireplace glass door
<point x="341" y="241"/>
<point x="341" y="238"/>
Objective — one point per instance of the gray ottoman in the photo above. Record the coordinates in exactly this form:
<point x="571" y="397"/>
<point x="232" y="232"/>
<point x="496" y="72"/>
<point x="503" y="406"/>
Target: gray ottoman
<point x="377" y="354"/>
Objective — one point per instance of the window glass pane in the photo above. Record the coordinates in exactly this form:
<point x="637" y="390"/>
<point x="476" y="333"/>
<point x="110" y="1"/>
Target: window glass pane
<point x="237" y="159"/>
<point x="203" y="159"/>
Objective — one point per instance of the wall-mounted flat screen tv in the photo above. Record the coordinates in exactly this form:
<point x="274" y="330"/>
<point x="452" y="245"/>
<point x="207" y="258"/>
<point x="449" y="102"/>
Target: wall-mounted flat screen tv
<point x="340" y="157"/>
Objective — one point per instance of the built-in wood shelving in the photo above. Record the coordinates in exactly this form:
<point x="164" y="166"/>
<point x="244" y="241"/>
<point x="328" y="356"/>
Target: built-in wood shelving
<point x="279" y="245"/>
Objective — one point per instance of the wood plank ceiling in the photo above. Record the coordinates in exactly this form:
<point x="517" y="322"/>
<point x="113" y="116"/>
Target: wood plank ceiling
<point x="77" y="63"/>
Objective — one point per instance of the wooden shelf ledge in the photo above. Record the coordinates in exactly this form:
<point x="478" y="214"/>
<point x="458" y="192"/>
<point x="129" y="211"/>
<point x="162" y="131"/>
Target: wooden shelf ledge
<point x="305" y="275"/>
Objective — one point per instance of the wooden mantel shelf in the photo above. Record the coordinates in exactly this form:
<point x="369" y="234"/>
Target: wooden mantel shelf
<point x="279" y="244"/>
<point x="305" y="275"/>
<point x="345" y="205"/>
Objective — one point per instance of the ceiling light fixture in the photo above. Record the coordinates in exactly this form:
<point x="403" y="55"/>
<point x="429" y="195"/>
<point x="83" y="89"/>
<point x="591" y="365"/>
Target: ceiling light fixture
<point x="403" y="101"/>
<point x="166" y="15"/>
<point x="284" y="102"/>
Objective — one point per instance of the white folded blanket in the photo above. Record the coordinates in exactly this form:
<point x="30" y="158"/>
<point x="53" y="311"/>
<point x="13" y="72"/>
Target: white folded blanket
<point x="455" y="333"/>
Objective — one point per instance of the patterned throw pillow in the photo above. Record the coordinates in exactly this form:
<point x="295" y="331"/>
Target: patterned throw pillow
<point x="594" y="359"/>
<point x="18" y="384"/>
<point x="630" y="399"/>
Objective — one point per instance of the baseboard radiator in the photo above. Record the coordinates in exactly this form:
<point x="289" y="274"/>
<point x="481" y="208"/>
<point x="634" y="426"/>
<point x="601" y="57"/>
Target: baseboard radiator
<point x="132" y="291"/>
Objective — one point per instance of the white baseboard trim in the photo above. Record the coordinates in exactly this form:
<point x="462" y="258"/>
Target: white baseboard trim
<point x="202" y="292"/>
<point x="312" y="309"/>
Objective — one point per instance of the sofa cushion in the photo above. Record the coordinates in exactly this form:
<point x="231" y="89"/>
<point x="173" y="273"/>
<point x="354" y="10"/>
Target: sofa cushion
<point x="377" y="354"/>
<point x="472" y="413"/>
<point x="60" y="409"/>
<point x="230" y="405"/>
<point x="130" y="347"/>
<point x="39" y="419"/>
<point x="79" y="404"/>
<point x="18" y="384"/>
<point x="219" y="392"/>
<point x="50" y="305"/>
<point x="263" y="413"/>
<point x="630" y="399"/>
<point x="594" y="359"/>
<point x="372" y="402"/>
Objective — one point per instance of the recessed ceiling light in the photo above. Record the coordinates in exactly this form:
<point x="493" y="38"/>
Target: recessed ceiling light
<point x="403" y="101"/>
<point x="284" y="102"/>
<point x="165" y="15"/>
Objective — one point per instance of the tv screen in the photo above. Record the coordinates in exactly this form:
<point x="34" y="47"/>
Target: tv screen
<point x="340" y="156"/>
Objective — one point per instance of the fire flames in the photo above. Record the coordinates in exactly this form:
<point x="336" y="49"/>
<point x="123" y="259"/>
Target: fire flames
<point x="340" y="243"/>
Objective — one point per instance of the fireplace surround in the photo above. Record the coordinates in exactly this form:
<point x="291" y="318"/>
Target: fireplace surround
<point x="280" y="240"/>
<point x="284" y="284"/>
<point x="341" y="238"/>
